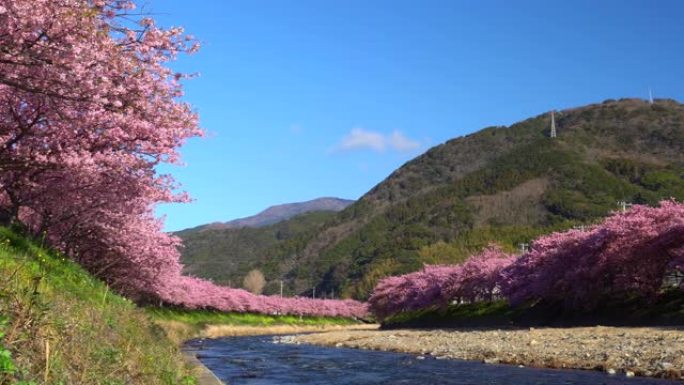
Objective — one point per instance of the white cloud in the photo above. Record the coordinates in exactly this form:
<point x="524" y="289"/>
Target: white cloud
<point x="361" y="139"/>
<point x="400" y="142"/>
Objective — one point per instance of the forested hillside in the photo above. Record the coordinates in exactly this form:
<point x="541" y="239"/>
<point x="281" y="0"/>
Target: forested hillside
<point x="226" y="255"/>
<point x="502" y="184"/>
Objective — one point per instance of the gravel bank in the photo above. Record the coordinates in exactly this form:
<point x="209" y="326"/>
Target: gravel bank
<point x="656" y="352"/>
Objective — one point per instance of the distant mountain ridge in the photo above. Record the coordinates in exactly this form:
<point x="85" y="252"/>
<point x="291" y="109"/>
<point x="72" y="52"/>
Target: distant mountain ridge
<point x="279" y="213"/>
<point x="501" y="184"/>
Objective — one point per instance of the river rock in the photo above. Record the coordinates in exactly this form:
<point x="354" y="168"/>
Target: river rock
<point x="283" y="340"/>
<point x="627" y="351"/>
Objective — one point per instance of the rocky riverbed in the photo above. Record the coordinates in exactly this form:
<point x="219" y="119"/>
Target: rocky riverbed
<point x="656" y="352"/>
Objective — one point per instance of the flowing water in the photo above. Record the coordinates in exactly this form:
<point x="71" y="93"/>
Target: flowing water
<point x="259" y="361"/>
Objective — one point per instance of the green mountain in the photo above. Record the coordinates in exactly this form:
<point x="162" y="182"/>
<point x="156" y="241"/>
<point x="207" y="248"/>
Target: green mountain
<point x="226" y="255"/>
<point x="503" y="184"/>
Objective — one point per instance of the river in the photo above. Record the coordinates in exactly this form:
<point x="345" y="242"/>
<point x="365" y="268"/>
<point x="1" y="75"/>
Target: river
<point x="257" y="360"/>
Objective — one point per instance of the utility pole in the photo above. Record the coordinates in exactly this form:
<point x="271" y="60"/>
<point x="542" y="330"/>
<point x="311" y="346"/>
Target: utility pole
<point x="553" y="124"/>
<point x="624" y="205"/>
<point x="281" y="288"/>
<point x="524" y="247"/>
<point x="650" y="95"/>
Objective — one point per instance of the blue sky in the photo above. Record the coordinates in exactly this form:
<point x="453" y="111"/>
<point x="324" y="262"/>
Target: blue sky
<point x="303" y="99"/>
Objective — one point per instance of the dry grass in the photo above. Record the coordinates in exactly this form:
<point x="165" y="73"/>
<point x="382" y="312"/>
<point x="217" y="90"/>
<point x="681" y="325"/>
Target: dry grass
<point x="215" y="331"/>
<point x="180" y="332"/>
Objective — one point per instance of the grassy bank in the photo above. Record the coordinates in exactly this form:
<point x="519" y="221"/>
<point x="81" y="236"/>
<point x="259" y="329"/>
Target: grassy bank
<point x="204" y="317"/>
<point x="668" y="309"/>
<point x="181" y="325"/>
<point x="59" y="325"/>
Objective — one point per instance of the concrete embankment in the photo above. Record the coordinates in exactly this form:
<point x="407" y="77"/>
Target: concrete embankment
<point x="646" y="351"/>
<point x="202" y="374"/>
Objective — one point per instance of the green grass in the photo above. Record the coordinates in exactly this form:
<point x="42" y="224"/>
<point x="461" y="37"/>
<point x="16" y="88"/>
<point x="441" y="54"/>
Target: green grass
<point x="62" y="326"/>
<point x="182" y="325"/>
<point x="667" y="309"/>
<point x="59" y="325"/>
<point x="479" y="314"/>
<point x="207" y="317"/>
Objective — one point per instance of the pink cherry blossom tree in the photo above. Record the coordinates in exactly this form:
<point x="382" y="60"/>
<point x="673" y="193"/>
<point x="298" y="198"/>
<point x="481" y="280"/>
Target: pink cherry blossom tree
<point x="439" y="285"/>
<point x="478" y="278"/>
<point x="629" y="254"/>
<point x="88" y="110"/>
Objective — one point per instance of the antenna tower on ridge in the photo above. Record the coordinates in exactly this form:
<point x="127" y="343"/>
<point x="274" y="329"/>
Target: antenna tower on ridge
<point x="553" y="124"/>
<point x="650" y="95"/>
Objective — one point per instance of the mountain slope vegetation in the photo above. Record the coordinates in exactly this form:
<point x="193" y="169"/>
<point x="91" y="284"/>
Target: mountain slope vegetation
<point x="226" y="255"/>
<point x="502" y="184"/>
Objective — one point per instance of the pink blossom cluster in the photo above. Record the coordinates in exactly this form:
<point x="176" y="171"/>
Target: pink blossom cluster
<point x="440" y="285"/>
<point x="628" y="254"/>
<point x="88" y="110"/>
<point x="195" y="293"/>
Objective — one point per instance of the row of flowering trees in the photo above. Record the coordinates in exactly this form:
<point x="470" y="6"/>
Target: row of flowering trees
<point x="194" y="293"/>
<point x="474" y="280"/>
<point x="88" y="109"/>
<point x="628" y="254"/>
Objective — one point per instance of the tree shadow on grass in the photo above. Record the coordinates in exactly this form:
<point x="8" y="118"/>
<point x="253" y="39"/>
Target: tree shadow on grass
<point x="666" y="312"/>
